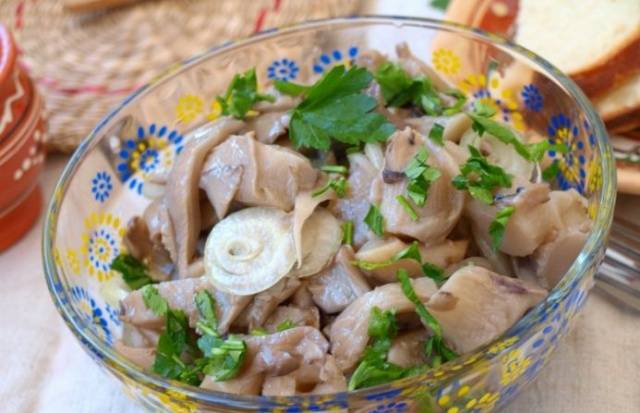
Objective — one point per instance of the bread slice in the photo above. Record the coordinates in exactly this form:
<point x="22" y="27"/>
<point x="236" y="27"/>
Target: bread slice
<point x="596" y="42"/>
<point x="620" y="108"/>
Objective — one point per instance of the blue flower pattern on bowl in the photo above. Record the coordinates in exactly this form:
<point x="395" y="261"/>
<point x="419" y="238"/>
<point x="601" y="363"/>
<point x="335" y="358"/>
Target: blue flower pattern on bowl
<point x="532" y="98"/>
<point x="101" y="186"/>
<point x="562" y="130"/>
<point x="152" y="150"/>
<point x="336" y="57"/>
<point x="90" y="312"/>
<point x="283" y="69"/>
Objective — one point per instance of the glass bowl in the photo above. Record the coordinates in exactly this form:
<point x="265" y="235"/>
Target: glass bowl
<point x="102" y="186"/>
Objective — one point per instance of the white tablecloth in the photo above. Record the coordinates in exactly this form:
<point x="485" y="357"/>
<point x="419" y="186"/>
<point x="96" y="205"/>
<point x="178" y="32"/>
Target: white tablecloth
<point x="43" y="369"/>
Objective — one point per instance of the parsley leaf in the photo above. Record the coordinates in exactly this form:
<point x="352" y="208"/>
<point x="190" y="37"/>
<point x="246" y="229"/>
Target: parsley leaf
<point x="259" y="332"/>
<point x="285" y="325"/>
<point x="206" y="305"/>
<point x="551" y="172"/>
<point x="335" y="107"/>
<point x="171" y="344"/>
<point x="457" y="107"/>
<point x="241" y="95"/>
<point x="339" y="185"/>
<point x="290" y="88"/>
<point x="347" y="233"/>
<point x="421" y="176"/>
<point x="480" y="177"/>
<point x="434" y="272"/>
<point x="499" y="225"/>
<point x="407" y="207"/>
<point x="375" y="220"/>
<point x="134" y="272"/>
<point x="224" y="358"/>
<point x="398" y="89"/>
<point x="154" y="301"/>
<point x="436" y="343"/>
<point x="436" y="134"/>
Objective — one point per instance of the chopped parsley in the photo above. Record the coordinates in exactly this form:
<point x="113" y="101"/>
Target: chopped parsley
<point x="420" y="176"/>
<point x="407" y="207"/>
<point x="285" y="325"/>
<point x="480" y="177"/>
<point x="290" y="88"/>
<point x="375" y="220"/>
<point x="551" y="172"/>
<point x="435" y="349"/>
<point x="335" y="107"/>
<point x="374" y="368"/>
<point x="434" y="272"/>
<point x="259" y="332"/>
<point x="457" y="107"/>
<point x="206" y="305"/>
<point x="339" y="185"/>
<point x="242" y="94"/>
<point x="398" y="89"/>
<point x="335" y="169"/>
<point x="347" y="232"/>
<point x="134" y="272"/>
<point x="221" y="358"/>
<point x="440" y="4"/>
<point x="154" y="301"/>
<point x="499" y="225"/>
<point x="436" y="134"/>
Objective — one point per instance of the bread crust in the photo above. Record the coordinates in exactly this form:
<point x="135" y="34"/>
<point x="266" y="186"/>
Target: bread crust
<point x="611" y="70"/>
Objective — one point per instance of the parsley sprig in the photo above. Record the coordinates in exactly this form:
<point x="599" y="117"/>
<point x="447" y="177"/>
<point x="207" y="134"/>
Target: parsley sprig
<point x="242" y="94"/>
<point x="335" y="107"/>
<point x="133" y="271"/>
<point x="480" y="177"/>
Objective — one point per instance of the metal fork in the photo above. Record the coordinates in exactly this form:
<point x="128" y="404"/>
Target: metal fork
<point x="619" y="274"/>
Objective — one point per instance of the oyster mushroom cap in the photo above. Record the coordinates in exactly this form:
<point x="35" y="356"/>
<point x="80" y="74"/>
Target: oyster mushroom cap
<point x="250" y="250"/>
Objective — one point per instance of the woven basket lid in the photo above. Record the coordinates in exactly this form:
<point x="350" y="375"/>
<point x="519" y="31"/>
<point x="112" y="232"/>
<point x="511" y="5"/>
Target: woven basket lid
<point x="85" y="64"/>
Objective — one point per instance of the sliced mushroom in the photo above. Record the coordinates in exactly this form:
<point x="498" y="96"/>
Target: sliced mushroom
<point x="442" y="254"/>
<point x="334" y="288"/>
<point x="320" y="377"/>
<point x="416" y="67"/>
<point x="349" y="331"/>
<point x="179" y="295"/>
<point x="151" y="252"/>
<point x="454" y="126"/>
<point x="444" y="203"/>
<point x="266" y="302"/>
<point x="305" y="205"/>
<point x="407" y="350"/>
<point x="182" y="197"/>
<point x="476" y="306"/>
<point x="249" y="251"/>
<point x="355" y="205"/>
<point x="256" y="174"/>
<point x="297" y="316"/>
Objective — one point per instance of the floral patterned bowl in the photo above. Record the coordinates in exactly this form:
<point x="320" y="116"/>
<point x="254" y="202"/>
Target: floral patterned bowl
<point x="102" y="185"/>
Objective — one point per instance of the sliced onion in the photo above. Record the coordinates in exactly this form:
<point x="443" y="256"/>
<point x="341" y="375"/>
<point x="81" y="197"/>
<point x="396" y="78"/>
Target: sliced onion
<point x="250" y="250"/>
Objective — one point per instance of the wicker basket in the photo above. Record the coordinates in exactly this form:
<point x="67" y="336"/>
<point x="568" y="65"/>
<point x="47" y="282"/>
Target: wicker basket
<point x="86" y="64"/>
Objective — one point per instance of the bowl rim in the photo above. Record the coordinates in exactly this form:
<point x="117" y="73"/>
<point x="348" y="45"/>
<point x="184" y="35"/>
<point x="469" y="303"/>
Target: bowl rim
<point x="93" y="344"/>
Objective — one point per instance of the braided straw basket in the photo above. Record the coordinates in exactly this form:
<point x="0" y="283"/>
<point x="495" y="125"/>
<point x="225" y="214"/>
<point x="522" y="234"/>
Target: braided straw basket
<point x="85" y="64"/>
